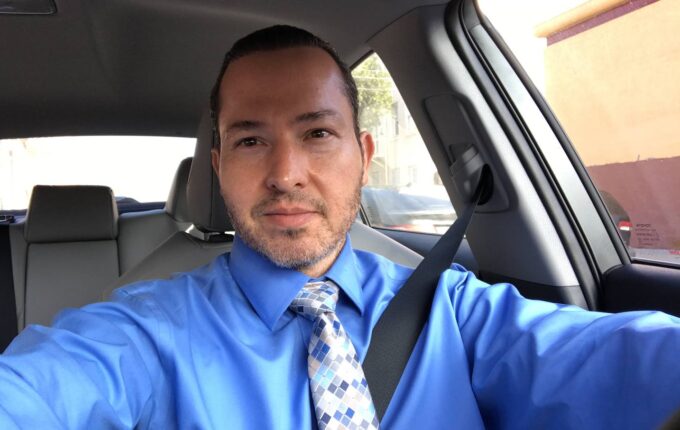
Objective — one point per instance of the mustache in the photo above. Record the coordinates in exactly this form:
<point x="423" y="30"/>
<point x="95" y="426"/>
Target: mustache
<point x="295" y="197"/>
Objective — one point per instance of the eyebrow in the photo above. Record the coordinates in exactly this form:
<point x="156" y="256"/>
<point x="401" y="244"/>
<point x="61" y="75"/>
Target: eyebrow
<point x="247" y="125"/>
<point x="243" y="125"/>
<point x="316" y="115"/>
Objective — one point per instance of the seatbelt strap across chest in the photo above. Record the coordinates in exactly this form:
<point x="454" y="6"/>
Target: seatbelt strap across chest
<point x="397" y="331"/>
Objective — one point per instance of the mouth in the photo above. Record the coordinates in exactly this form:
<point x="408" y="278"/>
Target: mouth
<point x="289" y="217"/>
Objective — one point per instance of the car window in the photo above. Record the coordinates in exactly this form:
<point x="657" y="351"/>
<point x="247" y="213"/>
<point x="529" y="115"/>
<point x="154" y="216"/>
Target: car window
<point x="404" y="191"/>
<point x="138" y="169"/>
<point x="608" y="70"/>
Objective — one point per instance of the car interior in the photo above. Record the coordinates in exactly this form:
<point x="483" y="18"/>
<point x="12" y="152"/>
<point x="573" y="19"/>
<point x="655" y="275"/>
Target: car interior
<point x="146" y="68"/>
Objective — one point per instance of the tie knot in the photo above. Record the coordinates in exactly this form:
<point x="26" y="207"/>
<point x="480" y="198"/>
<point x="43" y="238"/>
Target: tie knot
<point x="315" y="298"/>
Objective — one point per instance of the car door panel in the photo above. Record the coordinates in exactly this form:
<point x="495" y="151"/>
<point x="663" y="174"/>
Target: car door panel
<point x="632" y="287"/>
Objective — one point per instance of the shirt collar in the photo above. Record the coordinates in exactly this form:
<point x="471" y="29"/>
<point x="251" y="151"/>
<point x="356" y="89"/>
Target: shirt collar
<point x="270" y="289"/>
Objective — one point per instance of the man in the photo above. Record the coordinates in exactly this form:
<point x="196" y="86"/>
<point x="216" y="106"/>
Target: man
<point x="243" y="343"/>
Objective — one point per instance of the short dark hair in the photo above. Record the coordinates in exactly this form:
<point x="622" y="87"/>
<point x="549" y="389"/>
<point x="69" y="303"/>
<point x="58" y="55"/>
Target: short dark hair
<point x="272" y="39"/>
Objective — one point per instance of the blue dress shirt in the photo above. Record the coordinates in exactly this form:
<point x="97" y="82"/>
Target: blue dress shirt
<point x="217" y="348"/>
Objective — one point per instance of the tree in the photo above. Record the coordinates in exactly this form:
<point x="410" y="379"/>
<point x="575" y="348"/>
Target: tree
<point x="375" y="92"/>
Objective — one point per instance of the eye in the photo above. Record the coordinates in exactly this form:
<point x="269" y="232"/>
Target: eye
<point x="247" y="142"/>
<point x="319" y="133"/>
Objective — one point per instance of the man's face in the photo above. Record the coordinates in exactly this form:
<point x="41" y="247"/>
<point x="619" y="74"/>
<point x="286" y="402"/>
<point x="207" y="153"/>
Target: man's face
<point x="289" y="163"/>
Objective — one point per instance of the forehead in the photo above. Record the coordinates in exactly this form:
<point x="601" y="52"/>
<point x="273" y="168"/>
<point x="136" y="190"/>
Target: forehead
<point x="291" y="79"/>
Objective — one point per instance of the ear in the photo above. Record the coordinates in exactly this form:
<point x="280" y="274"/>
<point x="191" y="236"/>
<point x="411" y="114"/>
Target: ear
<point x="367" y="148"/>
<point x="215" y="160"/>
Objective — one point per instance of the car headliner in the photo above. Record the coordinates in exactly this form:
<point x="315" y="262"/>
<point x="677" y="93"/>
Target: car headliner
<point x="147" y="67"/>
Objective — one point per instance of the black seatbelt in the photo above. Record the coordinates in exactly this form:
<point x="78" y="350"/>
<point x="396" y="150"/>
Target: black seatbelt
<point x="8" y="304"/>
<point x="399" y="327"/>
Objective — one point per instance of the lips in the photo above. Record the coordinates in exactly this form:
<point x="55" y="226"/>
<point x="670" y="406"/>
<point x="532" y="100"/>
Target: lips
<point x="289" y="217"/>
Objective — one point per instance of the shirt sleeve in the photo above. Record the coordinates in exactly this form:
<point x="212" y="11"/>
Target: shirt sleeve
<point x="542" y="365"/>
<point x="93" y="368"/>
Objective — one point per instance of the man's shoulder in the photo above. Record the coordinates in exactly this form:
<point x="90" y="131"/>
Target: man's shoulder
<point x="379" y="265"/>
<point x="373" y="262"/>
<point x="178" y="285"/>
<point x="373" y="265"/>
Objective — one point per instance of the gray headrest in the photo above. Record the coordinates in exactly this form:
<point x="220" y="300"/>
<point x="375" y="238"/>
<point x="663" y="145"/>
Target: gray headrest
<point x="206" y="206"/>
<point x="71" y="214"/>
<point x="176" y="206"/>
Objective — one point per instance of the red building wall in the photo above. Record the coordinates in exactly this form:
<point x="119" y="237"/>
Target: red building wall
<point x="646" y="190"/>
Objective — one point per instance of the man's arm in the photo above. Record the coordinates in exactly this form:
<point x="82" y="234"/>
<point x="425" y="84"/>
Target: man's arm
<point x="536" y="364"/>
<point x="95" y="368"/>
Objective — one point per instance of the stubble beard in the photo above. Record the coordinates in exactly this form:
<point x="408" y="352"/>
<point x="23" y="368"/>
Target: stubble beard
<point x="295" y="248"/>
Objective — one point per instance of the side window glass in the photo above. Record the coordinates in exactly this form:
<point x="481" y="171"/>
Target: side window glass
<point x="404" y="191"/>
<point x="608" y="70"/>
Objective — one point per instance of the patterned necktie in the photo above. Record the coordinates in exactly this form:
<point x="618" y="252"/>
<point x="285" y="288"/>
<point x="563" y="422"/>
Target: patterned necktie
<point x="337" y="382"/>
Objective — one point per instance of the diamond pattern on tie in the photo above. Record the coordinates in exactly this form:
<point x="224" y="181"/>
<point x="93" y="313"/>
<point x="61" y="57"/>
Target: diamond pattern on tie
<point x="339" y="388"/>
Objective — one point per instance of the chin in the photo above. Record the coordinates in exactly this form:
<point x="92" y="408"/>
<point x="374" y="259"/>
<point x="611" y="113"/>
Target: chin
<point x="298" y="249"/>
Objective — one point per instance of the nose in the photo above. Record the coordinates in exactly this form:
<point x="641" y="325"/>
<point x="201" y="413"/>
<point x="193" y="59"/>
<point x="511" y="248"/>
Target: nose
<point x="286" y="166"/>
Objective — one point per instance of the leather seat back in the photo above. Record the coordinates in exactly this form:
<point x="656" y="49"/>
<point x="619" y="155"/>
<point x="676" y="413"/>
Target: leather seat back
<point x="71" y="250"/>
<point x="139" y="233"/>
